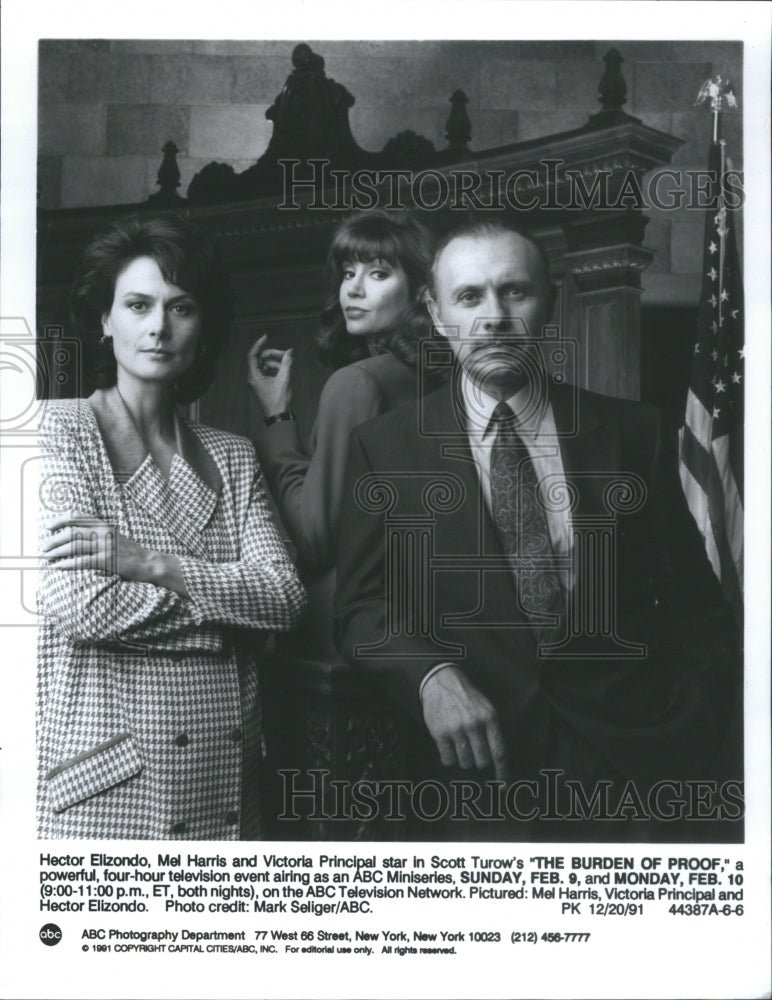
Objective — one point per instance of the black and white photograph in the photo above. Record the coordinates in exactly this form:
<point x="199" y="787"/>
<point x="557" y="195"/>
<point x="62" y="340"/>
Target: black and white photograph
<point x="386" y="502"/>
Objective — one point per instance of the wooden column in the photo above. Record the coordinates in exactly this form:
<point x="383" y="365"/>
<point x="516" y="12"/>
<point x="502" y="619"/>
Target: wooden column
<point x="603" y="264"/>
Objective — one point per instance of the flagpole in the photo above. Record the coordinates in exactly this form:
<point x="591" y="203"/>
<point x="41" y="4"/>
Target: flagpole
<point x="722" y="230"/>
<point x="711" y="454"/>
<point x="717" y="91"/>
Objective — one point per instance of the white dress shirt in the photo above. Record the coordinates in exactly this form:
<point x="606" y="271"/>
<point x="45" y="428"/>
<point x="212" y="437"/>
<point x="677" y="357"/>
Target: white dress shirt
<point x="535" y="424"/>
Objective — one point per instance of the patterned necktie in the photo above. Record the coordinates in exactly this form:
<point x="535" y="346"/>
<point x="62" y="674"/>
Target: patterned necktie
<point x="521" y="522"/>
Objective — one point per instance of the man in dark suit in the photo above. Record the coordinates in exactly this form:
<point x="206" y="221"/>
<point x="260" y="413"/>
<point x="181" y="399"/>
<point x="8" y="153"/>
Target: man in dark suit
<point x="520" y="573"/>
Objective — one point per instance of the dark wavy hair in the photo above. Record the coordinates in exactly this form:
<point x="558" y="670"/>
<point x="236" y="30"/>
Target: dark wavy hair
<point x="400" y="240"/>
<point x="186" y="257"/>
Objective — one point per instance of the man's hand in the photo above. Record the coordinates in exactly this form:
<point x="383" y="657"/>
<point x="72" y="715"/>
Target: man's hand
<point x="463" y="723"/>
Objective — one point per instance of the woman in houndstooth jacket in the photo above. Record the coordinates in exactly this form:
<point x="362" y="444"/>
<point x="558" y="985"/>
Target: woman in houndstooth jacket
<point x="160" y="559"/>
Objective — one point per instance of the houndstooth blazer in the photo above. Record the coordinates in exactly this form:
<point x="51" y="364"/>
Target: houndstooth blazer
<point x="148" y="706"/>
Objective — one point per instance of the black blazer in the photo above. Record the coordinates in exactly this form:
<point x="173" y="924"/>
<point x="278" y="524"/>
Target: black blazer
<point x="656" y="706"/>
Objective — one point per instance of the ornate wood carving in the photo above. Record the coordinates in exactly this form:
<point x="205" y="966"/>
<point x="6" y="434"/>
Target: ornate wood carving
<point x="613" y="93"/>
<point x="329" y="726"/>
<point x="311" y="125"/>
<point x="458" y="128"/>
<point x="168" y="180"/>
<point x="311" y="122"/>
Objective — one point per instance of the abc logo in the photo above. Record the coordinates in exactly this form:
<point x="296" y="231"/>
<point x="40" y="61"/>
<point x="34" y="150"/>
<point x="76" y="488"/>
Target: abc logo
<point x="50" y="934"/>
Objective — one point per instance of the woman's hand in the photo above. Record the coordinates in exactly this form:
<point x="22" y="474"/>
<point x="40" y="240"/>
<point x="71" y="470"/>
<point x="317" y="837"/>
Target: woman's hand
<point x="79" y="541"/>
<point x="269" y="376"/>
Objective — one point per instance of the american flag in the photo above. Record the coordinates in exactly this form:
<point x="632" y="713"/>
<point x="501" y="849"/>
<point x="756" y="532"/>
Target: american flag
<point x="712" y="437"/>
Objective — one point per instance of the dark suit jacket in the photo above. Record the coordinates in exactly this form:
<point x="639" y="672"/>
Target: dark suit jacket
<point x="659" y="715"/>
